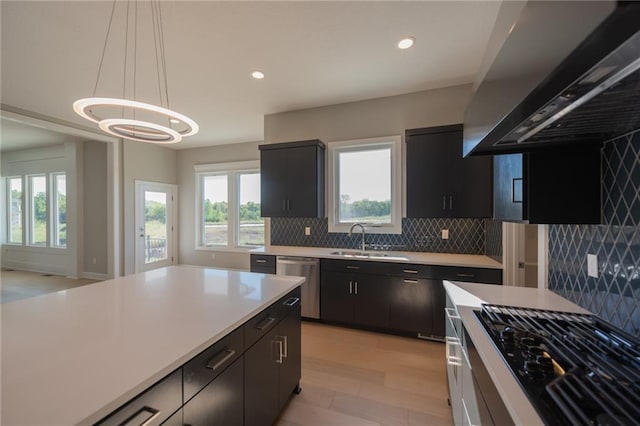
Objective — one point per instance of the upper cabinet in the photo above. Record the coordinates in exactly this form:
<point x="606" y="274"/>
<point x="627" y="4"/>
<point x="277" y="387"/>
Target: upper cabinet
<point x="559" y="185"/>
<point x="440" y="182"/>
<point x="292" y="179"/>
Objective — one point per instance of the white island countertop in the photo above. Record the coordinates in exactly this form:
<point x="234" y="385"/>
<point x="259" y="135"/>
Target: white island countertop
<point x="468" y="297"/>
<point x="74" y="356"/>
<point x="444" y="259"/>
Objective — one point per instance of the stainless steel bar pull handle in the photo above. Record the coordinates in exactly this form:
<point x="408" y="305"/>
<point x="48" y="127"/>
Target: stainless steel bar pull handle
<point x="286" y="346"/>
<point x="352" y="267"/>
<point x="350" y="287"/>
<point x="220" y="359"/>
<point x="265" y="323"/>
<point x="279" y="343"/>
<point x="444" y="202"/>
<point x="450" y="202"/>
<point x="292" y="301"/>
<point x="356" y="287"/>
<point x="142" y="417"/>
<point x="460" y="274"/>
<point x="261" y="261"/>
<point x="410" y="281"/>
<point x="409" y="271"/>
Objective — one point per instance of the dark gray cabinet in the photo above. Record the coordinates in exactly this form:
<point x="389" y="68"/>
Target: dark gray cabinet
<point x="292" y="179"/>
<point x="246" y="377"/>
<point x="395" y="297"/>
<point x="273" y="364"/>
<point x="561" y="185"/>
<point x="354" y="292"/>
<point x="263" y="263"/>
<point x="220" y="402"/>
<point x="440" y="182"/>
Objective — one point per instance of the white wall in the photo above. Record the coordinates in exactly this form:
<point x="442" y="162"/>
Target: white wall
<point x="371" y="118"/>
<point x="187" y="158"/>
<point x="147" y="162"/>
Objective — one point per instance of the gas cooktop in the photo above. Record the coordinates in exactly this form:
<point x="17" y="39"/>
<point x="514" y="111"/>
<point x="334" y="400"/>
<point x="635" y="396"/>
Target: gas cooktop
<point x="575" y="368"/>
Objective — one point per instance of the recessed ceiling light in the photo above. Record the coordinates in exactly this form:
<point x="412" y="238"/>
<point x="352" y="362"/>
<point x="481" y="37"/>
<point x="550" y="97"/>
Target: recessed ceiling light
<point x="406" y="42"/>
<point x="257" y="75"/>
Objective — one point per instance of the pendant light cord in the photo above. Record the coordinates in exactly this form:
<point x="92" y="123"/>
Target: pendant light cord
<point x="104" y="48"/>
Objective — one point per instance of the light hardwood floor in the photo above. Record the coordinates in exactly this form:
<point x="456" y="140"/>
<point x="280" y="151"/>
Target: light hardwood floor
<point x="16" y="285"/>
<point x="352" y="377"/>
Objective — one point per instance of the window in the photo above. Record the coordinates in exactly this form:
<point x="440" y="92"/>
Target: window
<point x="365" y="185"/>
<point x="59" y="210"/>
<point x="15" y="228"/>
<point x="37" y="206"/>
<point x="228" y="211"/>
<point x="38" y="210"/>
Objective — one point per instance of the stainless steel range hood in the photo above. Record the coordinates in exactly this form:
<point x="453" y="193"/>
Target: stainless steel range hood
<point x="557" y="73"/>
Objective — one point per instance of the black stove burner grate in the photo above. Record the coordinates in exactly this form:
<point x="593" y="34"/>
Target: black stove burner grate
<point x="576" y="368"/>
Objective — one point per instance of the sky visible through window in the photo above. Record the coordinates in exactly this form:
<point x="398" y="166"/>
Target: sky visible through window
<point x="366" y="175"/>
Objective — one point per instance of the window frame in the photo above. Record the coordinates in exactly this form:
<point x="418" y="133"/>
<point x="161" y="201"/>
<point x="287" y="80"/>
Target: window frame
<point x="394" y="142"/>
<point x="30" y="211"/>
<point x="232" y="171"/>
<point x="7" y="212"/>
<point x="54" y="215"/>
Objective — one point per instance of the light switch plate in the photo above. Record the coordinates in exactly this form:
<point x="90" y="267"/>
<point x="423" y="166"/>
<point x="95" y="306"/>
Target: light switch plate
<point x="592" y="265"/>
<point x="307" y="230"/>
<point x="445" y="234"/>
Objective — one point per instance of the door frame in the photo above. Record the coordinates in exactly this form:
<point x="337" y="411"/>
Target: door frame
<point x="172" y="216"/>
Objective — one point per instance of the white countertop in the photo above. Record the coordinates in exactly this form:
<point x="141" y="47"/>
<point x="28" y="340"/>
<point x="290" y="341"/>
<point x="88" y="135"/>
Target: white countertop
<point x="445" y="259"/>
<point x="76" y="355"/>
<point x="468" y="297"/>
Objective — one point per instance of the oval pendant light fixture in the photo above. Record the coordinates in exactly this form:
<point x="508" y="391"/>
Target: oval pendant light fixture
<point x="161" y="125"/>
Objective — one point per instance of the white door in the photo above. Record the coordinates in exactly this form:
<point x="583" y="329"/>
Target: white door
<point x="155" y="225"/>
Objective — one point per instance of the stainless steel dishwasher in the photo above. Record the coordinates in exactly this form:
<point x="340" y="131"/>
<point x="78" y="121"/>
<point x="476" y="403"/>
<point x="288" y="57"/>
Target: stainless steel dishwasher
<point x="306" y="267"/>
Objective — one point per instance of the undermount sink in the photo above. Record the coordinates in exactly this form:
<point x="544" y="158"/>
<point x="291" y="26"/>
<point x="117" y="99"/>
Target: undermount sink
<point x="354" y="253"/>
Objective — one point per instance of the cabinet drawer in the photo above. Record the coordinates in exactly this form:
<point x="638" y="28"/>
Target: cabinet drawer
<point x="153" y="406"/>
<point x="405" y="270"/>
<point x="355" y="266"/>
<point x="263" y="263"/>
<point x="211" y="362"/>
<point x="260" y="325"/>
<point x="476" y="275"/>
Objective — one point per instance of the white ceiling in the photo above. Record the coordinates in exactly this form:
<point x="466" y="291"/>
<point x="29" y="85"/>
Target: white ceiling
<point x="314" y="53"/>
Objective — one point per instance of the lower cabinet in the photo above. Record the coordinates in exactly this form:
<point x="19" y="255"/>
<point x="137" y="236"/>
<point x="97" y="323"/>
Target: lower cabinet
<point x="398" y="297"/>
<point x="272" y="369"/>
<point x="412" y="305"/>
<point x="246" y="377"/>
<point x="220" y="402"/>
<point x="355" y="298"/>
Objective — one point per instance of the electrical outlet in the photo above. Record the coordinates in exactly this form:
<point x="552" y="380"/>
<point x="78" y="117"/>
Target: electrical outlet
<point x="95" y="260"/>
<point x="445" y="234"/>
<point x="592" y="265"/>
<point x="213" y="256"/>
<point x="307" y="230"/>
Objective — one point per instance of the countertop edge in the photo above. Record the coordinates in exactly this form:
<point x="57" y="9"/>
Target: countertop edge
<point x="424" y="258"/>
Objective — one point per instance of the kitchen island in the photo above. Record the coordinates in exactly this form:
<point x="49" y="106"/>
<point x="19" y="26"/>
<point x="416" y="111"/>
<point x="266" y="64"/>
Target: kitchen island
<point x="74" y="356"/>
<point x="467" y="297"/>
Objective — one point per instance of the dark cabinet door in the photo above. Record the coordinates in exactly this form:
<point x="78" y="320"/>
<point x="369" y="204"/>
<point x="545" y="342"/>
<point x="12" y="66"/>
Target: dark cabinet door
<point x="371" y="300"/>
<point x="261" y="381"/>
<point x="427" y="157"/>
<point x="289" y="331"/>
<point x="273" y="182"/>
<point x="437" y="311"/>
<point x="336" y="296"/>
<point x="220" y="402"/>
<point x="440" y="182"/>
<point x="509" y="187"/>
<point x="301" y="182"/>
<point x="411" y="305"/>
<point x="292" y="179"/>
<point x="470" y="185"/>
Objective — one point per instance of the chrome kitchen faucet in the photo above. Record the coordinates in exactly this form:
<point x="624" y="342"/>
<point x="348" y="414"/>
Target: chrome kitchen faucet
<point x="363" y="233"/>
